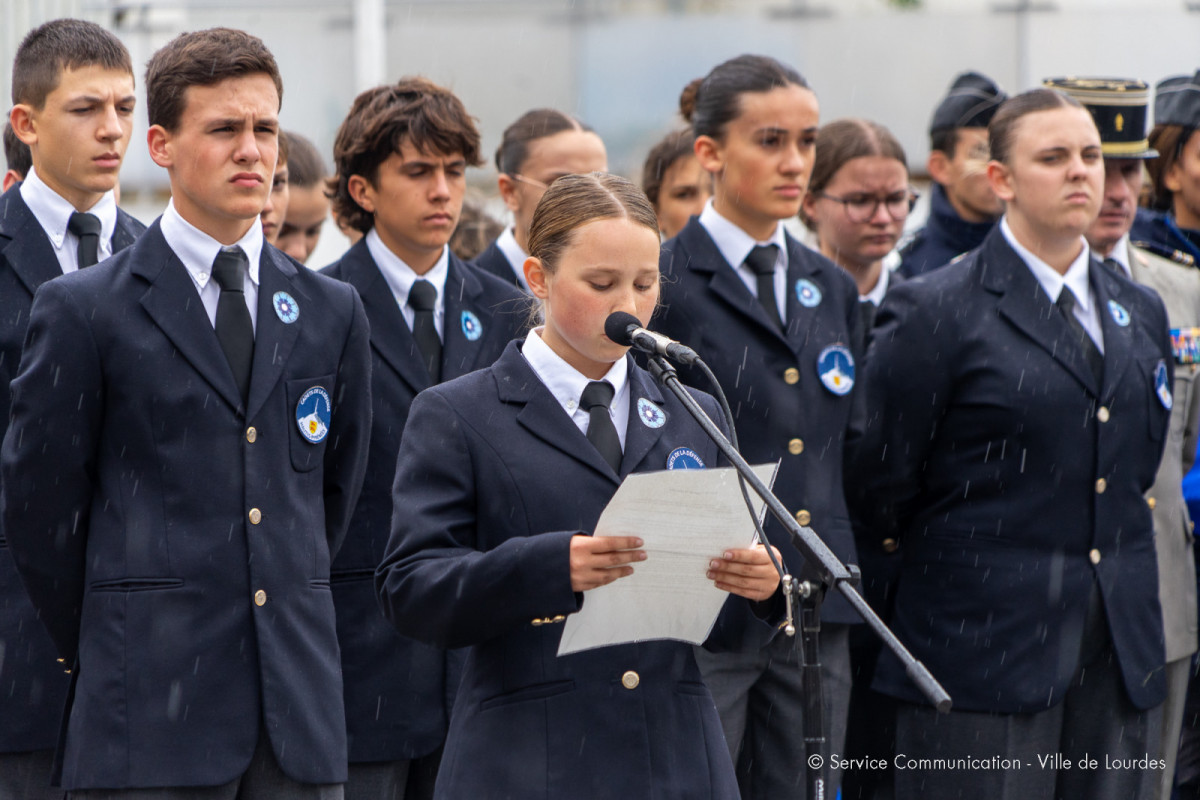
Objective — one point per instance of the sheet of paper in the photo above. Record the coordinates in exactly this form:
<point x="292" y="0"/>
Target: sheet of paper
<point x="686" y="518"/>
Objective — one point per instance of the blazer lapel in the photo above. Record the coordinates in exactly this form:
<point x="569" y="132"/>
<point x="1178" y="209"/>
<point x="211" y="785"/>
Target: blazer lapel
<point x="1118" y="339"/>
<point x="803" y="265"/>
<point x="273" y="338"/>
<point x="126" y="233"/>
<point x="390" y="335"/>
<point x="542" y="416"/>
<point x="463" y="313"/>
<point x="29" y="251"/>
<point x="173" y="303"/>
<point x="724" y="281"/>
<point x="640" y="438"/>
<point x="1027" y="307"/>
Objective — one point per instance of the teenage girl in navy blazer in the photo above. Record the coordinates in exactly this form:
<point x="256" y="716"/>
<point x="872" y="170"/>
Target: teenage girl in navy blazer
<point x="497" y="491"/>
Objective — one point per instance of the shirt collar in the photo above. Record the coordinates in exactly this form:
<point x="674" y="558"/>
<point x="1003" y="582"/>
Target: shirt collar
<point x="564" y="381"/>
<point x="52" y="210"/>
<point x="733" y="242"/>
<point x="197" y="250"/>
<point x="876" y="295"/>
<point x="507" y="242"/>
<point x="1076" y="277"/>
<point x="400" y="276"/>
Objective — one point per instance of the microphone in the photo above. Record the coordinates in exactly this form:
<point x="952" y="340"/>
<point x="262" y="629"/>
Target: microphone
<point x="625" y="329"/>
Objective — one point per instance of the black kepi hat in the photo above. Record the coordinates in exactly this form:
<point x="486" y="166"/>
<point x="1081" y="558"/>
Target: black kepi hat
<point x="1177" y="101"/>
<point x="1119" y="107"/>
<point x="971" y="102"/>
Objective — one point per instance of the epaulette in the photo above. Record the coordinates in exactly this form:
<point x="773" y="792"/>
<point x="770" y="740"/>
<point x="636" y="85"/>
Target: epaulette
<point x="1169" y="253"/>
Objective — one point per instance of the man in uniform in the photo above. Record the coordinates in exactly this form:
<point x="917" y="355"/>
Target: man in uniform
<point x="962" y="206"/>
<point x="1119" y="108"/>
<point x="188" y="439"/>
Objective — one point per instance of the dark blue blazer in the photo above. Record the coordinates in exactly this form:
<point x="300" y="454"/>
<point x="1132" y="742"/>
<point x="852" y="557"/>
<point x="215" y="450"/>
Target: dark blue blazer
<point x="175" y="540"/>
<point x="705" y="305"/>
<point x="1013" y="480"/>
<point x="395" y="686"/>
<point x="493" y="261"/>
<point x="34" y="684"/>
<point x="493" y="481"/>
<point x="945" y="236"/>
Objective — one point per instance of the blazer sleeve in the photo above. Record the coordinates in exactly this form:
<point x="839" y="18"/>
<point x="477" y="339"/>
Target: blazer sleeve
<point x="346" y="458"/>
<point x="49" y="459"/>
<point x="907" y="387"/>
<point x="435" y="584"/>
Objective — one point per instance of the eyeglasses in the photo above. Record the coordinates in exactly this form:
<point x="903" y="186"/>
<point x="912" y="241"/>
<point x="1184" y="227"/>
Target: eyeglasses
<point x="862" y="207"/>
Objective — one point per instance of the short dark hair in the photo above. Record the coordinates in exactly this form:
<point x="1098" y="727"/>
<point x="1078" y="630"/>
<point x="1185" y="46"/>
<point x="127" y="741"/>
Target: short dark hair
<point x="416" y="110"/>
<point x="712" y="102"/>
<point x="661" y="157"/>
<point x="202" y="58"/>
<point x="944" y="140"/>
<point x="529" y="127"/>
<point x="305" y="166"/>
<point x="1002" y="128"/>
<point x="61" y="44"/>
<point x="845" y="139"/>
<point x="1169" y="141"/>
<point x="16" y="152"/>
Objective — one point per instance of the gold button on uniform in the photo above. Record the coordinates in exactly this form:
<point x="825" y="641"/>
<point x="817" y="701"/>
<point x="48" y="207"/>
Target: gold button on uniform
<point x="1094" y="556"/>
<point x="890" y="545"/>
<point x="796" y="446"/>
<point x="1102" y="414"/>
<point x="260" y="598"/>
<point x="1150" y="501"/>
<point x="791" y="375"/>
<point x="803" y="517"/>
<point x="630" y="680"/>
<point x="255" y="516"/>
<point x="251" y="435"/>
<point x="1101" y="485"/>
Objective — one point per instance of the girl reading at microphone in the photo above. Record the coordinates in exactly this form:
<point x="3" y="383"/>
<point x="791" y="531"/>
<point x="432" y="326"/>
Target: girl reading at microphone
<point x="501" y="478"/>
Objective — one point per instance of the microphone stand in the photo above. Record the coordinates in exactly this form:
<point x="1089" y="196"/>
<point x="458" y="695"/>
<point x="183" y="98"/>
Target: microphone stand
<point x="822" y="570"/>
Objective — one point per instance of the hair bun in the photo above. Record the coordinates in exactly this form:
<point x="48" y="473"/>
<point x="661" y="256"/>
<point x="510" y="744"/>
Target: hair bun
<point x="687" y="100"/>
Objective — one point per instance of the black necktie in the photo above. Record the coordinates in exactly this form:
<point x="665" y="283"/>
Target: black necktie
<point x="86" y="228"/>
<point x="1095" y="360"/>
<point x="422" y="298"/>
<point x="235" y="332"/>
<point x="762" y="263"/>
<point x="1115" y="267"/>
<point x="596" y="399"/>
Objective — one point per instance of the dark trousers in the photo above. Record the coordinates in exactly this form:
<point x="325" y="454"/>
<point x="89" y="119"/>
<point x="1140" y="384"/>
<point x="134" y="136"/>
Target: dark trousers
<point x="1107" y="742"/>
<point x="262" y="780"/>
<point x="404" y="779"/>
<point x="26" y="776"/>
<point x="760" y="698"/>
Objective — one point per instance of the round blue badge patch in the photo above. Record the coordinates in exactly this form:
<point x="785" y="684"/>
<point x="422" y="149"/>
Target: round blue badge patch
<point x="1161" y="387"/>
<point x="808" y="293"/>
<point x="472" y="327"/>
<point x="835" y="367"/>
<point x="684" y="458"/>
<point x="285" y="307"/>
<point x="313" y="414"/>
<point x="1119" y="314"/>
<point x="651" y="415"/>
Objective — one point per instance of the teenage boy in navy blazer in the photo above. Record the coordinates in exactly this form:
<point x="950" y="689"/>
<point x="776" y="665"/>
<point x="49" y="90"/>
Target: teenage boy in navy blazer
<point x="68" y="130"/>
<point x="401" y="157"/>
<point x="188" y="438"/>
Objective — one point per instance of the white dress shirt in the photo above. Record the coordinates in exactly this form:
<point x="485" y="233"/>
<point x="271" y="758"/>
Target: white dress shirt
<point x="53" y="212"/>
<point x="400" y="278"/>
<point x="735" y="244"/>
<point x="197" y="250"/>
<point x="567" y="384"/>
<point x="507" y="242"/>
<point x="1076" y="278"/>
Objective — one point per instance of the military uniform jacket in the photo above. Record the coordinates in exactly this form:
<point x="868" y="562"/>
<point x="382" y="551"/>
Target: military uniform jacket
<point x="493" y="261"/>
<point x="1179" y="289"/>
<point x="1014" y="481"/>
<point x="176" y="540"/>
<point x="34" y="685"/>
<point x="395" y="686"/>
<point x="945" y="236"/>
<point x="771" y="378"/>
<point x="493" y="481"/>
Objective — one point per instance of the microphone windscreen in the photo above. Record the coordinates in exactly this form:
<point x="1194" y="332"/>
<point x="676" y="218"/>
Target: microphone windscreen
<point x="616" y="327"/>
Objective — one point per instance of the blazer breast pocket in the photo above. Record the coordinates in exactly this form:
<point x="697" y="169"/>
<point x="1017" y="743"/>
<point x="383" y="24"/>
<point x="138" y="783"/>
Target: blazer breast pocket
<point x="310" y="402"/>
